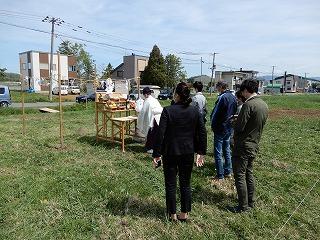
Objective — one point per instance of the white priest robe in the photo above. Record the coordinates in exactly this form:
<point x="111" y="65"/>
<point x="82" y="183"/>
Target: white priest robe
<point x="150" y="111"/>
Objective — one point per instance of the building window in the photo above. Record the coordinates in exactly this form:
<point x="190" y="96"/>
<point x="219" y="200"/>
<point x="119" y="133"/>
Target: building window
<point x="289" y="88"/>
<point x="29" y="65"/>
<point x="23" y="66"/>
<point x="72" y="68"/>
<point x="119" y="73"/>
<point x="278" y="82"/>
<point x="288" y="82"/>
<point x="44" y="66"/>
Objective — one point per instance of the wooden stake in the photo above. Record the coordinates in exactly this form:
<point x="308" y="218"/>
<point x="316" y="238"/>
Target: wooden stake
<point x="22" y="102"/>
<point x="60" y="104"/>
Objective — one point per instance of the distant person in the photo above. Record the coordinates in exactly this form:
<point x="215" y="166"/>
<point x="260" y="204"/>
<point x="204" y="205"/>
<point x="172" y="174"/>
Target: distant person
<point x="240" y="101"/>
<point x="247" y="133"/>
<point x="199" y="100"/>
<point x="181" y="134"/>
<point x="224" y="109"/>
<point x="149" y="118"/>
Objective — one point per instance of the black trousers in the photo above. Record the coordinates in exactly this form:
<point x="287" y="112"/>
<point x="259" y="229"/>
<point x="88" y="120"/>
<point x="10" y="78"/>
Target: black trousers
<point x="182" y="165"/>
<point x="152" y="133"/>
<point x="244" y="180"/>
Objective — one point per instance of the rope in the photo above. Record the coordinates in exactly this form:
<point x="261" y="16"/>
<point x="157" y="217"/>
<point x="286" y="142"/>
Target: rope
<point x="296" y="208"/>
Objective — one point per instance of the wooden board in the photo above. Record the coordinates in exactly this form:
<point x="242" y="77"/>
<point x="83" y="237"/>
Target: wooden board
<point x="48" y="110"/>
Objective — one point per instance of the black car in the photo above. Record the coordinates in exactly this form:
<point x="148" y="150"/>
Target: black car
<point x="165" y="94"/>
<point x="84" y="98"/>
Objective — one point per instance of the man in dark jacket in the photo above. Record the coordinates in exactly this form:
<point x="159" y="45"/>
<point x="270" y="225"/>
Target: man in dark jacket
<point x="247" y="134"/>
<point x="225" y="108"/>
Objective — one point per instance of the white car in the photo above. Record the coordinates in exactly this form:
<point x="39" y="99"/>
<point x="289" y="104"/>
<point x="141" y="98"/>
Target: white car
<point x="64" y="90"/>
<point x="74" y="90"/>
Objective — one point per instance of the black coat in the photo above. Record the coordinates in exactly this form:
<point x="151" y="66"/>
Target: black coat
<point x="181" y="131"/>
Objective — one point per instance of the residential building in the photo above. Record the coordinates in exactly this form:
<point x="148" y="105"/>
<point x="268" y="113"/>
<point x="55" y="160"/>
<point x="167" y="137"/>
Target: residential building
<point x="294" y="83"/>
<point x="131" y="68"/>
<point x="235" y="78"/>
<point x="35" y="65"/>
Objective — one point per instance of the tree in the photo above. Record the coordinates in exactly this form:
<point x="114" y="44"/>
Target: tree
<point x="3" y="75"/>
<point x="174" y="70"/>
<point x="155" y="71"/>
<point x="107" y="71"/>
<point x="84" y="62"/>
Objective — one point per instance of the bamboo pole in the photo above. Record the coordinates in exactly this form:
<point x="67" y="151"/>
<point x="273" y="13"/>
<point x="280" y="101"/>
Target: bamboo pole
<point x="22" y="102"/>
<point x="60" y="103"/>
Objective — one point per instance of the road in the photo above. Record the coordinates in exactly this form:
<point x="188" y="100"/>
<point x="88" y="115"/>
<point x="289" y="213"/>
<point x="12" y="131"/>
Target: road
<point x="41" y="104"/>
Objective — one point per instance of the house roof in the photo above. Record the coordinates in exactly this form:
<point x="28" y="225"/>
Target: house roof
<point x="301" y="77"/>
<point x="117" y="68"/>
<point x="44" y="52"/>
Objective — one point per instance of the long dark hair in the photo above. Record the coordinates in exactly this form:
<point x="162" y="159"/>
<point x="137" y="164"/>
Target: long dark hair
<point x="183" y="92"/>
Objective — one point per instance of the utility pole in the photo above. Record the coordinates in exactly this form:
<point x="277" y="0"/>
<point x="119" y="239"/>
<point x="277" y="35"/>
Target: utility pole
<point x="201" y="70"/>
<point x="212" y="70"/>
<point x="272" y="78"/>
<point x="53" y="21"/>
<point x="284" y="82"/>
<point x="305" y="82"/>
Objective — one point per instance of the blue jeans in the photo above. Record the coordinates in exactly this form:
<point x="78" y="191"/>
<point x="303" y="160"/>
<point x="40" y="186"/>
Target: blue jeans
<point x="222" y="150"/>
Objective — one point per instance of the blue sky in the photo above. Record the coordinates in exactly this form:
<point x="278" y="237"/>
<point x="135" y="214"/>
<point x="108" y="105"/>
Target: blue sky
<point x="251" y="34"/>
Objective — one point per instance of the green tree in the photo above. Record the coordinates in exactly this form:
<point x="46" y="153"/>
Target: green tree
<point x="84" y="62"/>
<point x="2" y="74"/>
<point x="174" y="70"/>
<point x="155" y="71"/>
<point x="107" y="71"/>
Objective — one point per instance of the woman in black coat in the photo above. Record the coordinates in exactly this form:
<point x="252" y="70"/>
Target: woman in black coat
<point x="181" y="133"/>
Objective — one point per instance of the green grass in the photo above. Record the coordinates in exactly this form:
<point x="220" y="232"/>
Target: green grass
<point x="16" y="96"/>
<point x="92" y="190"/>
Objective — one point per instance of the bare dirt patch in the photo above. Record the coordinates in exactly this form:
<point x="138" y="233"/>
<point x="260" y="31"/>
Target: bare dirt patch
<point x="294" y="113"/>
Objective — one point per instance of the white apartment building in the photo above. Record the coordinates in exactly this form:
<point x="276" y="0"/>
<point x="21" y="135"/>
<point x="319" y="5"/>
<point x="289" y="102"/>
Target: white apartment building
<point x="35" y="65"/>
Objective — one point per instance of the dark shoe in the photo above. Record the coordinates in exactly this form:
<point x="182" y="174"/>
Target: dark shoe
<point x="238" y="209"/>
<point x="172" y="220"/>
<point x="216" y="179"/>
<point x="251" y="205"/>
<point x="229" y="176"/>
<point x="183" y="219"/>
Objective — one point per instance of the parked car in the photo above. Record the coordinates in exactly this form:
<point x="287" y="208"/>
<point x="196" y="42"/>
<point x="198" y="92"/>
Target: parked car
<point x="165" y="94"/>
<point x="64" y="90"/>
<point x="74" y="90"/>
<point x="5" y="97"/>
<point x="84" y="98"/>
<point x="155" y="90"/>
<point x="134" y="94"/>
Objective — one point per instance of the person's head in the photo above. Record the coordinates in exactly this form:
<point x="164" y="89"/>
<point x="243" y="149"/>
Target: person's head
<point x="248" y="87"/>
<point x="182" y="94"/>
<point x="146" y="92"/>
<point x="240" y="98"/>
<point x="198" y="86"/>
<point x="221" y="86"/>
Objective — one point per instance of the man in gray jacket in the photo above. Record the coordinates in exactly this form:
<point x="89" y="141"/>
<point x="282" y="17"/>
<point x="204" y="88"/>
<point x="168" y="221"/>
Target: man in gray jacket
<point x="247" y="133"/>
<point x="199" y="100"/>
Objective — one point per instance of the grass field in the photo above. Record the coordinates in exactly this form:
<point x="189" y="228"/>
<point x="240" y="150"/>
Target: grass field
<point x="92" y="190"/>
<point x="39" y="97"/>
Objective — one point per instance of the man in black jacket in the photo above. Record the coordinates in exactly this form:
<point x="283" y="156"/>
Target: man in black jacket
<point x="247" y="134"/>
